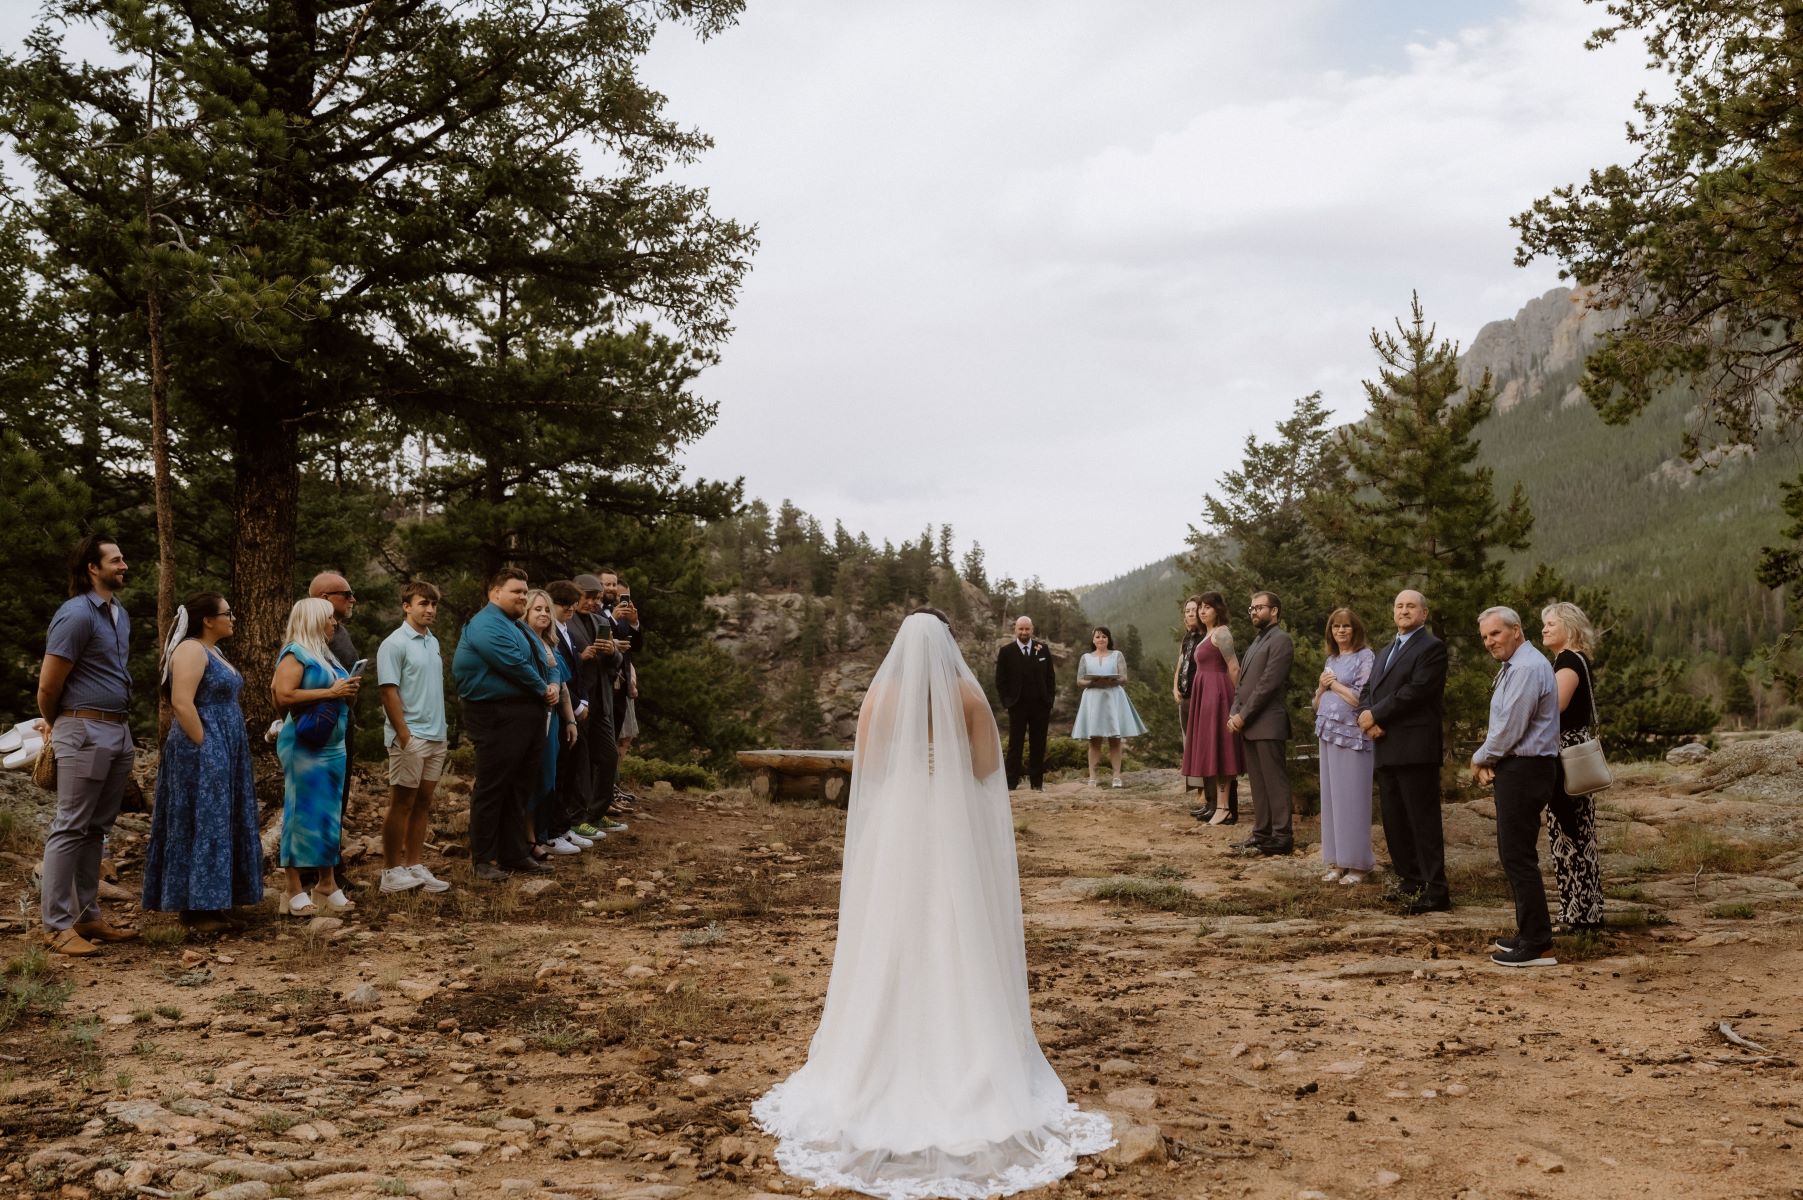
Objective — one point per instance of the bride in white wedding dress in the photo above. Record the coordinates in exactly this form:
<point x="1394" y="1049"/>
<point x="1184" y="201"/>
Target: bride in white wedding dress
<point x="924" y="1078"/>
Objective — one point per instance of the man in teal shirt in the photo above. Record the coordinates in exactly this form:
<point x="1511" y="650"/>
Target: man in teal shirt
<point x="505" y="692"/>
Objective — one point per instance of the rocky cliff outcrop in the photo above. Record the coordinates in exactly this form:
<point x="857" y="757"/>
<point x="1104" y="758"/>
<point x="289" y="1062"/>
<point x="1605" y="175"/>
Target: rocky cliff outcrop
<point x="1549" y="337"/>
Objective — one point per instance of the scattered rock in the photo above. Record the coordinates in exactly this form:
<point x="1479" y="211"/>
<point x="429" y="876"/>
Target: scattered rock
<point x="537" y="887"/>
<point x="1135" y="1143"/>
<point x="325" y="925"/>
<point x="250" y="1189"/>
<point x="147" y="1116"/>
<point x="1350" y="1066"/>
<point x="1688" y="754"/>
<point x="1385" y="1179"/>
<point x="1135" y="1099"/>
<point x="363" y="996"/>
<point x="431" y="1189"/>
<point x="734" y="1150"/>
<point x="107" y="1181"/>
<point x="1119" y="1066"/>
<point x="638" y="971"/>
<point x="1372" y="968"/>
<point x="416" y="989"/>
<point x="343" y="1181"/>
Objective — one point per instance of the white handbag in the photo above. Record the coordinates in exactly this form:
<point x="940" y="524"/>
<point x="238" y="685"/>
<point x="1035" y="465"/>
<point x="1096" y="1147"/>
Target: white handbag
<point x="1583" y="766"/>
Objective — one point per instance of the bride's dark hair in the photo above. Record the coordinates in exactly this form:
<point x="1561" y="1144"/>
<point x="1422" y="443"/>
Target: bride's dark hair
<point x="933" y="612"/>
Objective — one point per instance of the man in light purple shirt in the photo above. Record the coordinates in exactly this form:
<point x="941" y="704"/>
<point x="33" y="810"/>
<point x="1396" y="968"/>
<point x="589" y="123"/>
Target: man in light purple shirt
<point x="1520" y="758"/>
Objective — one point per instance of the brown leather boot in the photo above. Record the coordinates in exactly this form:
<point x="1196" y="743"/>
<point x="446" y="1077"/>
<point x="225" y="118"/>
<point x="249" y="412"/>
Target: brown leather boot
<point x="67" y="941"/>
<point x="100" y="930"/>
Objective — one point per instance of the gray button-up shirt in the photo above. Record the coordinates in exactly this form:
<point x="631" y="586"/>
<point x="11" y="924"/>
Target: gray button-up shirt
<point x="1524" y="710"/>
<point x="95" y="635"/>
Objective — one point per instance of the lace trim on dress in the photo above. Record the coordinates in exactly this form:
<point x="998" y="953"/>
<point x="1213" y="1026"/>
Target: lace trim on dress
<point x="1029" y="1159"/>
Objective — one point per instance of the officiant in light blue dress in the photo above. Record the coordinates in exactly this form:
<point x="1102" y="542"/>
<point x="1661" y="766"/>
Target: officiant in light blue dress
<point x="1105" y="713"/>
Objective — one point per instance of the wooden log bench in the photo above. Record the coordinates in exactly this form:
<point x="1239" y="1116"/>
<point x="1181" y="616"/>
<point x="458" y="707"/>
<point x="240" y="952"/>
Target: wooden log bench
<point x="787" y="774"/>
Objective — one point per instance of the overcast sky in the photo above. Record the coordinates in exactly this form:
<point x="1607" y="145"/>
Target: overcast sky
<point x="1036" y="270"/>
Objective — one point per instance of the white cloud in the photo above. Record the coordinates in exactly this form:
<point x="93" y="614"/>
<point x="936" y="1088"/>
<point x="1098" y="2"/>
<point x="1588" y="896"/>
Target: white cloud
<point x="1037" y="270"/>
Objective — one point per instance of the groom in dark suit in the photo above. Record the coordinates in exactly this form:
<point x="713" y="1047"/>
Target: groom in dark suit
<point x="1261" y="717"/>
<point x="1403" y="709"/>
<point x="1024" y="680"/>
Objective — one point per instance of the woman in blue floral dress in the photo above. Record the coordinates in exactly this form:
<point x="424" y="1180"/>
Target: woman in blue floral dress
<point x="204" y="856"/>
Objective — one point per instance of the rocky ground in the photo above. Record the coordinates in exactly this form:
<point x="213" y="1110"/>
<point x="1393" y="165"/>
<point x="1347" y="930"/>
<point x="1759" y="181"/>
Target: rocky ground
<point x="1256" y="1032"/>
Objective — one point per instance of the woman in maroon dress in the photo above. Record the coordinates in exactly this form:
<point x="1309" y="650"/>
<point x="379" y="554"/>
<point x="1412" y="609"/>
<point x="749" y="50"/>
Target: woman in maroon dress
<point x="1211" y="751"/>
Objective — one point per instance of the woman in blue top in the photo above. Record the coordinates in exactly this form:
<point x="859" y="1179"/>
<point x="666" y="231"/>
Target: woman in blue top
<point x="204" y="856"/>
<point x="1347" y="757"/>
<point x="1105" y="711"/>
<point x="560" y="730"/>
<point x="306" y="675"/>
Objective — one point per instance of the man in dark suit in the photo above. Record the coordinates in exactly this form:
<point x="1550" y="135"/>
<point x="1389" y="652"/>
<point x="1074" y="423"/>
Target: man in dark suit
<point x="1261" y="716"/>
<point x="1403" y="709"/>
<point x="1024" y="680"/>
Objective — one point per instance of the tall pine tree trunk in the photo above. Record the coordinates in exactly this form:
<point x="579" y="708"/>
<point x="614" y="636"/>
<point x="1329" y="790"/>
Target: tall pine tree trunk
<point x="265" y="500"/>
<point x="159" y="407"/>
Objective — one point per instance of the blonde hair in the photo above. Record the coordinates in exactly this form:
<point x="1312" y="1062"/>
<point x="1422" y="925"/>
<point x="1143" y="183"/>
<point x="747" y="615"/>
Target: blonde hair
<point x="1580" y="634"/>
<point x="310" y="627"/>
<point x="547" y="637"/>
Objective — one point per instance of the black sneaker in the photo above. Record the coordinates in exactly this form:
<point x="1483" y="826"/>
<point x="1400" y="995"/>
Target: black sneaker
<point x="489" y="873"/>
<point x="1505" y="943"/>
<point x="1521" y="955"/>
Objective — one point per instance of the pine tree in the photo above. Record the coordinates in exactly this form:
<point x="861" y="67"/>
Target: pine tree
<point x="1422" y="514"/>
<point x="972" y="567"/>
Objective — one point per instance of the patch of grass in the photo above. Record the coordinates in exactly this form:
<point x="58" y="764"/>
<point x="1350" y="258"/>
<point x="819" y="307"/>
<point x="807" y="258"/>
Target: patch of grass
<point x="556" y="1032"/>
<point x="1688" y="849"/>
<point x="707" y="935"/>
<point x="1166" y="871"/>
<point x="618" y="902"/>
<point x="1478" y="883"/>
<point x="142" y="1016"/>
<point x="162" y="936"/>
<point x="1633" y="893"/>
<point x="168" y="1012"/>
<point x="1143" y="892"/>
<point x="83" y="1045"/>
<point x="145" y="1048"/>
<point x="274" y="1120"/>
<point x="122" y="1081"/>
<point x="27" y="989"/>
<point x="690" y="1010"/>
<point x="1736" y="911"/>
<point x="781" y="979"/>
<point x="1582" y="945"/>
<point x="392" y="1187"/>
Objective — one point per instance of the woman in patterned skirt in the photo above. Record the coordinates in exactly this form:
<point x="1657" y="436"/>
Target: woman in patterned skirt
<point x="1571" y="820"/>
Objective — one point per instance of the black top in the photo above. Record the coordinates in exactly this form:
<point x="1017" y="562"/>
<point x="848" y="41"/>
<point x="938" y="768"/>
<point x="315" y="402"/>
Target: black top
<point x="1575" y="715"/>
<point x="1186" y="663"/>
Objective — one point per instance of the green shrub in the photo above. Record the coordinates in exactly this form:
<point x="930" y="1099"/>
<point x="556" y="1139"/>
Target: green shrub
<point x="678" y="775"/>
<point x="1785" y="716"/>
<point x="462" y="760"/>
<point x="1066" y="754"/>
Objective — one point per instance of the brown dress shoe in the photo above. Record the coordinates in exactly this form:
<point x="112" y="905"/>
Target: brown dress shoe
<point x="102" y="931"/>
<point x="67" y="941"/>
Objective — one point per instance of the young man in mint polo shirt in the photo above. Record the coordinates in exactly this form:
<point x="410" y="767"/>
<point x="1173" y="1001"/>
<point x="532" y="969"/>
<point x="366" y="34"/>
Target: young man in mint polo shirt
<point x="410" y="673"/>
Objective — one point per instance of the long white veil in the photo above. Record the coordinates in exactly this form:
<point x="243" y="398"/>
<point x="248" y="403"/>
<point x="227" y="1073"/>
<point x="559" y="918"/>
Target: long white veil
<point x="924" y="1077"/>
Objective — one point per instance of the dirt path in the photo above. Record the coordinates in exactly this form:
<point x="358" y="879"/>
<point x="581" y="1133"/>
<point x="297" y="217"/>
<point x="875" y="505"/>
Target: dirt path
<point x="1258" y="1032"/>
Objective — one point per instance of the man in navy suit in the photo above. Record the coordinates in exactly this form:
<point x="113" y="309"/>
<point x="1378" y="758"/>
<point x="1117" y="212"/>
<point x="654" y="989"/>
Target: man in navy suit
<point x="1403" y="709"/>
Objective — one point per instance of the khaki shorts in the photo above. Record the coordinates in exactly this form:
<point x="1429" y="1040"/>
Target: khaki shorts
<point x="418" y="762"/>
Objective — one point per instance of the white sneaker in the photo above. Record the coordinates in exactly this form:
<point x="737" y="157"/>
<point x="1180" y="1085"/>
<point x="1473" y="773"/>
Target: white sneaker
<point x="399" y="879"/>
<point x="577" y="840"/>
<point x="1333" y="873"/>
<point x="427" y="880"/>
<point x="560" y="846"/>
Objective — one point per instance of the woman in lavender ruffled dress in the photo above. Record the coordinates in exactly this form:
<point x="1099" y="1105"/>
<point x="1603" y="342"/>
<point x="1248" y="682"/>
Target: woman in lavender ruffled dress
<point x="1347" y="757"/>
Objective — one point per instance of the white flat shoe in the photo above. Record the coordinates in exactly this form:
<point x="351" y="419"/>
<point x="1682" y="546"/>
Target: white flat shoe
<point x="561" y="846"/>
<point x="337" y="901"/>
<point x="300" y="905"/>
<point x="1351" y="877"/>
<point x="1333" y="873"/>
<point x="1116" y="783"/>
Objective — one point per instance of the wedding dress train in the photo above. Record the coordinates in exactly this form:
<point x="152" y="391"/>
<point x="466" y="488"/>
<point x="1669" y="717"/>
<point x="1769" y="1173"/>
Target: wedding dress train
<point x="924" y="1078"/>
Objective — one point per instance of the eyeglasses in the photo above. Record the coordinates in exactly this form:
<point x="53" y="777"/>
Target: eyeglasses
<point x="346" y="593"/>
<point x="1258" y="608"/>
<point x="227" y="615"/>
